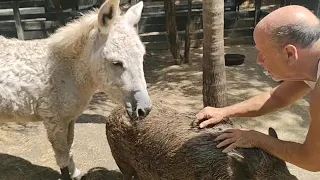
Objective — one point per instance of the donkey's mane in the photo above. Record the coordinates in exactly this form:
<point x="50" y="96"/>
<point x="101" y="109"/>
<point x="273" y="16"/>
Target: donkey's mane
<point x="70" y="39"/>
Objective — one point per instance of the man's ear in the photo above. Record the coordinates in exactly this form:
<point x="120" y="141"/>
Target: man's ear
<point x="133" y="14"/>
<point x="291" y="54"/>
<point x="106" y="14"/>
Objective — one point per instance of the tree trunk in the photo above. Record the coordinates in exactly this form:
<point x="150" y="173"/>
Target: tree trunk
<point x="186" y="58"/>
<point x="59" y="10"/>
<point x="214" y="76"/>
<point x="17" y="20"/>
<point x="317" y="9"/>
<point x="257" y="11"/>
<point x="171" y="29"/>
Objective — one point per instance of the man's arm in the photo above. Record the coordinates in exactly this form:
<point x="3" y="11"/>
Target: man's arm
<point x="277" y="98"/>
<point x="304" y="155"/>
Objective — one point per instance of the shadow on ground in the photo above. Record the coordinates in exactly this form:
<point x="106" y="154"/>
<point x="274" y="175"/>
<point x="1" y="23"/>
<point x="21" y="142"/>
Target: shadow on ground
<point x="18" y="127"/>
<point x="91" y="118"/>
<point x="101" y="173"/>
<point x="16" y="168"/>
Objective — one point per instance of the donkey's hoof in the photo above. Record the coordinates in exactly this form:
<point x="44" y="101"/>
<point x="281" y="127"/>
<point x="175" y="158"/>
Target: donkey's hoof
<point x="65" y="178"/>
<point x="65" y="175"/>
<point x="77" y="175"/>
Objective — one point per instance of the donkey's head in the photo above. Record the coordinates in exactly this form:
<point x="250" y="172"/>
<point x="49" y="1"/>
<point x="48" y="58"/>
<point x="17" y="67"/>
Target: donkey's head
<point x="119" y="51"/>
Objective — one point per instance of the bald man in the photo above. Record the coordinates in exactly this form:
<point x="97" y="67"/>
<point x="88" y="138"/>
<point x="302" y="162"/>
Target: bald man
<point x="288" y="47"/>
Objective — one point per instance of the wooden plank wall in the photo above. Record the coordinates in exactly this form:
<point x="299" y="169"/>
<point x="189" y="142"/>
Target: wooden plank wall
<point x="37" y="19"/>
<point x="238" y="25"/>
<point x="34" y="21"/>
<point x="38" y="23"/>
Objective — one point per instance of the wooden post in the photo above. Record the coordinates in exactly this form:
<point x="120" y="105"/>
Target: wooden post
<point x="17" y="20"/>
<point x="213" y="67"/>
<point x="186" y="58"/>
<point x="75" y="5"/>
<point x="46" y="5"/>
<point x="317" y="9"/>
<point x="283" y="3"/>
<point x="171" y="29"/>
<point x="257" y="6"/>
<point x="133" y="2"/>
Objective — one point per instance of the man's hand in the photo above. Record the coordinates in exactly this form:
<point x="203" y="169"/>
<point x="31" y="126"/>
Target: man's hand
<point x="210" y="115"/>
<point x="233" y="138"/>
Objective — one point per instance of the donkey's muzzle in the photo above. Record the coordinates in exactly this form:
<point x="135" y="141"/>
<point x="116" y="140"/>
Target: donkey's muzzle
<point x="139" y="113"/>
<point x="138" y="105"/>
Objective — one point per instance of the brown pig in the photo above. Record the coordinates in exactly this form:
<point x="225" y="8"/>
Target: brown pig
<point x="166" y="145"/>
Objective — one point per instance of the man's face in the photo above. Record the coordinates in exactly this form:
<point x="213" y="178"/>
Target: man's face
<point x="269" y="56"/>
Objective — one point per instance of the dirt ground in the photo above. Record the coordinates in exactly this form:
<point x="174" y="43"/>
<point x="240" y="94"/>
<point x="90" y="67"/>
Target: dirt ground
<point x="25" y="153"/>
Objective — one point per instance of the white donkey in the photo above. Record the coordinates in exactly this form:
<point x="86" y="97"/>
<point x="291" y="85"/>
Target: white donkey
<point x="53" y="80"/>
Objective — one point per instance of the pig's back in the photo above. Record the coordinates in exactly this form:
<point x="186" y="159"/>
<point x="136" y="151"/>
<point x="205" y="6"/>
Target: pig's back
<point x="164" y="146"/>
<point x="167" y="147"/>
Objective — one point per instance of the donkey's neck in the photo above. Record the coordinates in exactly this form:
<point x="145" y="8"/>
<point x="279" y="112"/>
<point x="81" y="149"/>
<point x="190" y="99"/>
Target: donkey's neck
<point x="69" y="42"/>
<point x="69" y="45"/>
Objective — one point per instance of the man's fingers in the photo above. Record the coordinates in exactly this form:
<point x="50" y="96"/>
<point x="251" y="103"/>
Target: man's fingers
<point x="223" y="136"/>
<point x="200" y="116"/>
<point x="208" y="122"/>
<point x="226" y="142"/>
<point x="230" y="148"/>
<point x="229" y="130"/>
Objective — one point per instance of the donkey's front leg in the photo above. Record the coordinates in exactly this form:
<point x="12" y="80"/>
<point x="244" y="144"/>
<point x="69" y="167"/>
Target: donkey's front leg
<point x="58" y="135"/>
<point x="75" y="173"/>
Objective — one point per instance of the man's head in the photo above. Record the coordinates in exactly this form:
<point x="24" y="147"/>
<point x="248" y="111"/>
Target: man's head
<point x="284" y="38"/>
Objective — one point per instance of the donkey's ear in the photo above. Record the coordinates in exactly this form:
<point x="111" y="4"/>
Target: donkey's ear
<point x="107" y="13"/>
<point x="133" y="14"/>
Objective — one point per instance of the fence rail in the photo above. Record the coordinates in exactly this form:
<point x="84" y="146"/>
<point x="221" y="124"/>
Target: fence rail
<point x="24" y="22"/>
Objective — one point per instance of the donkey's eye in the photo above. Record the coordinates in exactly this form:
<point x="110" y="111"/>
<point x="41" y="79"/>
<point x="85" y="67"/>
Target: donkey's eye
<point x="117" y="63"/>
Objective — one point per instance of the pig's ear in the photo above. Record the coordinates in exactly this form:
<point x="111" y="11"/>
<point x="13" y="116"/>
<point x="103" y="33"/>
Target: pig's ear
<point x="272" y="132"/>
<point x="107" y="14"/>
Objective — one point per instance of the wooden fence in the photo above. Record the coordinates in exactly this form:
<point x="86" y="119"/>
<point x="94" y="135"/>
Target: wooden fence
<point x="32" y="19"/>
<point x="238" y="25"/>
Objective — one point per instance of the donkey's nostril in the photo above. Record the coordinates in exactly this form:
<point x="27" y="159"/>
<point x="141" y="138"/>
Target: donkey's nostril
<point x="141" y="113"/>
